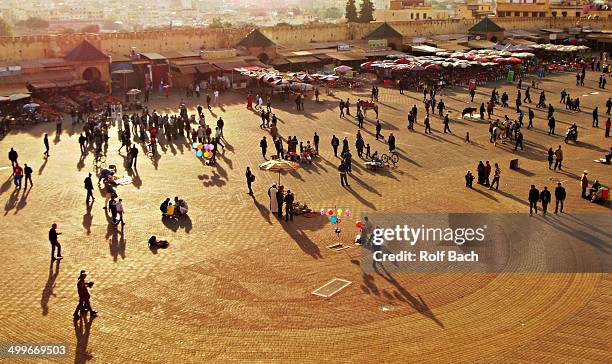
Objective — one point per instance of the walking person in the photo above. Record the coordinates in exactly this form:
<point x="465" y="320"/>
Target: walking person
<point x="17" y="175"/>
<point x="82" y="140"/>
<point x="378" y="129"/>
<point x="446" y="124"/>
<point x="342" y="168"/>
<point x="531" y="115"/>
<point x="84" y="297"/>
<point x="551" y="125"/>
<point x="53" y="234"/>
<point x="46" y="143"/>
<point x="558" y="158"/>
<point x="550" y="158"/>
<point x="27" y="171"/>
<point x="133" y="156"/>
<point x="58" y="125"/>
<point x="608" y="125"/>
<point x="250" y="178"/>
<point x="519" y="140"/>
<point x="263" y="144"/>
<point x="316" y="141"/>
<point x="496" y="175"/>
<point x="560" y="196"/>
<point x="120" y="210"/>
<point x="534" y="196"/>
<point x="427" y="125"/>
<point x="596" y="117"/>
<point x="545" y="198"/>
<point x="12" y="156"/>
<point x="88" y="185"/>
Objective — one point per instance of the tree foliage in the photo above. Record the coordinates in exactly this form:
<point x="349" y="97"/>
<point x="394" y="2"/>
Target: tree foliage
<point x="366" y="13"/>
<point x="333" y="13"/>
<point x="350" y="12"/>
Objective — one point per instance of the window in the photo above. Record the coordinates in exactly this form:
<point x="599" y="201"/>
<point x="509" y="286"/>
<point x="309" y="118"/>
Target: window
<point x="564" y="14"/>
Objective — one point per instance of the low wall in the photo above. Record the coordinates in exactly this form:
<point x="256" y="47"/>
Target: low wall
<point x="44" y="46"/>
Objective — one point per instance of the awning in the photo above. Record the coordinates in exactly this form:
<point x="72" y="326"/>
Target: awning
<point x="382" y="53"/>
<point x="346" y="56"/>
<point x="185" y="70"/>
<point x="303" y="59"/>
<point x="153" y="56"/>
<point x="8" y="90"/>
<point x="480" y="44"/>
<point x="279" y="62"/>
<point x="425" y="49"/>
<point x="17" y="97"/>
<point x="206" y="68"/>
<point x="229" y="66"/>
<point x="452" y="47"/>
<point x="121" y="67"/>
<point x="59" y="84"/>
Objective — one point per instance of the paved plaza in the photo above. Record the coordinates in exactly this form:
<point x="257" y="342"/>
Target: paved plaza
<point x="236" y="284"/>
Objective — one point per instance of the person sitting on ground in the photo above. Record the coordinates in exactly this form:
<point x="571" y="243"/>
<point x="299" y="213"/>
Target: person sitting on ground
<point x="180" y="206"/>
<point x="608" y="157"/>
<point x="376" y="158"/>
<point x="154" y="243"/>
<point x="593" y="190"/>
<point x="170" y="210"/>
<point x="164" y="206"/>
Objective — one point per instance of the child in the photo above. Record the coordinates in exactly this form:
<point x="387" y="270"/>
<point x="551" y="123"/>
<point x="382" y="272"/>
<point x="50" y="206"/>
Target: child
<point x="368" y="151"/>
<point x="467" y="137"/>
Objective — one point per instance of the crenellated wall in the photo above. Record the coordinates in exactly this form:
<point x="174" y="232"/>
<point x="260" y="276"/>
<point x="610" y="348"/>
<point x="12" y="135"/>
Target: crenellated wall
<point x="48" y="46"/>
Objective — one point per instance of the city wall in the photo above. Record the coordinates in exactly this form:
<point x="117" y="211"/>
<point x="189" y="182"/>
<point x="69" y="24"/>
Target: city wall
<point x="49" y="46"/>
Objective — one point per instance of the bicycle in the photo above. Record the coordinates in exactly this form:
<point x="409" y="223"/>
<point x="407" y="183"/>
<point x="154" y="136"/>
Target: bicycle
<point x="394" y="158"/>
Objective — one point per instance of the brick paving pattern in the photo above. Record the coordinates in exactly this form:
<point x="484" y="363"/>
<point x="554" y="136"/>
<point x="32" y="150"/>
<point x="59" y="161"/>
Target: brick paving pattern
<point x="236" y="285"/>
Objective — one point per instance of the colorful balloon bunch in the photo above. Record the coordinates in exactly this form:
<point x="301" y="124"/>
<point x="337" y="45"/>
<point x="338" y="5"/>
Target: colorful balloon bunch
<point x="202" y="150"/>
<point x="358" y="224"/>
<point x="335" y="215"/>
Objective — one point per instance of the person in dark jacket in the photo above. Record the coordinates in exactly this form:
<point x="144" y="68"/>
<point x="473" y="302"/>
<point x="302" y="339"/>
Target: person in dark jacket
<point x="84" y="304"/>
<point x="391" y="141"/>
<point x="27" y="171"/>
<point x="133" y="156"/>
<point x="12" y="156"/>
<point x="560" y="196"/>
<point x="88" y="184"/>
<point x="289" y="206"/>
<point x="343" y="169"/>
<point x="545" y="198"/>
<point x="280" y="194"/>
<point x="250" y="178"/>
<point x="263" y="144"/>
<point x="335" y="142"/>
<point x="534" y="196"/>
